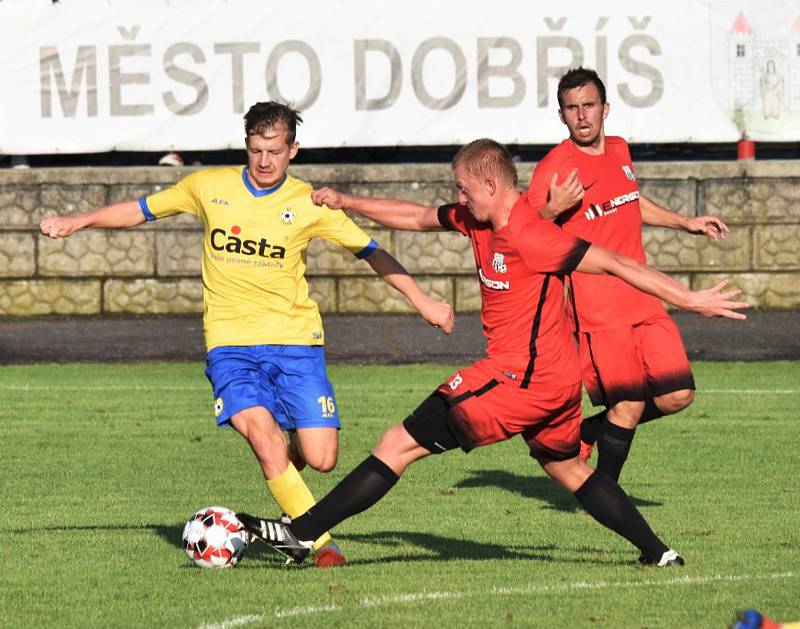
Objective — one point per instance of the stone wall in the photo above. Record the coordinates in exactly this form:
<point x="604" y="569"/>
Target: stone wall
<point x="154" y="269"/>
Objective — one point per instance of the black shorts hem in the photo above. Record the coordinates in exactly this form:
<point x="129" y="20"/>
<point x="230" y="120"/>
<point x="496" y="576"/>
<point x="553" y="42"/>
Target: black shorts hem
<point x="538" y="452"/>
<point x="679" y="383"/>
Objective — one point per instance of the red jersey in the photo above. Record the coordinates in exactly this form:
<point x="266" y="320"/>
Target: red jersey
<point x="521" y="269"/>
<point x="609" y="216"/>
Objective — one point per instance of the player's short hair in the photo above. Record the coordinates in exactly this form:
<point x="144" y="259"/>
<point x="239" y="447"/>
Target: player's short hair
<point x="578" y="77"/>
<point x="270" y="114"/>
<point x="487" y="158"/>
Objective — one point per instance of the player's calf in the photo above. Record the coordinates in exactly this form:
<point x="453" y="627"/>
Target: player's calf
<point x="294" y="456"/>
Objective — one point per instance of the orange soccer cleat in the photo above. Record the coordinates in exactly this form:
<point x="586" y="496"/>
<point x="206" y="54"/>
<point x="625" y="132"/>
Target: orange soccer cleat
<point x="329" y="557"/>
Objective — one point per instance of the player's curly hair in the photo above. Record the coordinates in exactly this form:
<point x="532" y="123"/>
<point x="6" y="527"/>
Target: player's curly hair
<point x="578" y="77"/>
<point x="487" y="158"/>
<point x="270" y="114"/>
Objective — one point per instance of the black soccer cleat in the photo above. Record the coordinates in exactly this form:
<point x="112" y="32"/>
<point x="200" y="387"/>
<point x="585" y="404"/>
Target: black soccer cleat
<point x="668" y="559"/>
<point x="278" y="535"/>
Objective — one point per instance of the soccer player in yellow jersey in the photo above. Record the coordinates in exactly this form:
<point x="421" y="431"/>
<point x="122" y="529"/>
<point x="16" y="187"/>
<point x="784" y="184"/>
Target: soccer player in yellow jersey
<point x="263" y="332"/>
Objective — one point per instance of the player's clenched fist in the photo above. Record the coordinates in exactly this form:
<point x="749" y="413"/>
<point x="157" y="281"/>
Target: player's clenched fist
<point x="58" y="226"/>
<point x="328" y="196"/>
<point x="439" y="314"/>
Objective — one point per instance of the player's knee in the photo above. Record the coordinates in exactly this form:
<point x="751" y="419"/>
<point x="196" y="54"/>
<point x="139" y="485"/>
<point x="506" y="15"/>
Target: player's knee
<point x="626" y="414"/>
<point x="675" y="401"/>
<point x="322" y="462"/>
<point x="319" y="454"/>
<point x="396" y="438"/>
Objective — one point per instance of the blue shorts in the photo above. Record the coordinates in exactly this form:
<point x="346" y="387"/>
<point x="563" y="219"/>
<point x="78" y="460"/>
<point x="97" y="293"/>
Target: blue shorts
<point x="288" y="380"/>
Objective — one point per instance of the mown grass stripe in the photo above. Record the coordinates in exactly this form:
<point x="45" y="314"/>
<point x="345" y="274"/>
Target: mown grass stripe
<point x="401" y="388"/>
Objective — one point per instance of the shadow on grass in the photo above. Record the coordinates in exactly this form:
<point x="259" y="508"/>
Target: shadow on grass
<point x="415" y="547"/>
<point x="435" y="547"/>
<point x="539" y="488"/>
<point x="412" y="547"/>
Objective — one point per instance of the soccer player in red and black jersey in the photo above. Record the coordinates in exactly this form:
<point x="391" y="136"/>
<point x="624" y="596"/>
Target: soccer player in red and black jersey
<point x="633" y="360"/>
<point x="529" y="382"/>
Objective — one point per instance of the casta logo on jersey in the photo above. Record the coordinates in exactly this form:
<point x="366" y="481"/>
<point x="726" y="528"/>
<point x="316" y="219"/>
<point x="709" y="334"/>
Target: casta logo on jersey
<point x="222" y="240"/>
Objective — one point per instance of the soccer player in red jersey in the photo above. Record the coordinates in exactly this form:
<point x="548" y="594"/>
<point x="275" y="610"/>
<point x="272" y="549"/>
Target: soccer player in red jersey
<point x="633" y="360"/>
<point x="529" y="382"/>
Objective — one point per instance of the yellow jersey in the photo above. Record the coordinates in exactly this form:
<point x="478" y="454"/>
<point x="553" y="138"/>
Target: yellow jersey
<point x="254" y="254"/>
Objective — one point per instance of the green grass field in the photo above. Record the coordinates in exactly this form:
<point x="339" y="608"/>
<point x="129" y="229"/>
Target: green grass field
<point x="101" y="465"/>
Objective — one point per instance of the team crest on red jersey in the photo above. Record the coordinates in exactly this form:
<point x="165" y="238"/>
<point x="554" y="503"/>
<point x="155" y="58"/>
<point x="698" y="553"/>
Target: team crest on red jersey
<point x="499" y="263"/>
<point x="628" y="172"/>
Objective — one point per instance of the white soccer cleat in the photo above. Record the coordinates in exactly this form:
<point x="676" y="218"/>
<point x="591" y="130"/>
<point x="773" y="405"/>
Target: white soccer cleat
<point x="669" y="558"/>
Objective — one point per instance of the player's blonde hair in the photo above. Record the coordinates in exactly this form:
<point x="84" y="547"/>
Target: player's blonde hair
<point x="487" y="158"/>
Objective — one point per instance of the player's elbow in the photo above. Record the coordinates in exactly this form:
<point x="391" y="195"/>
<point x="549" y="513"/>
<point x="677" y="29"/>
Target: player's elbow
<point x="601" y="261"/>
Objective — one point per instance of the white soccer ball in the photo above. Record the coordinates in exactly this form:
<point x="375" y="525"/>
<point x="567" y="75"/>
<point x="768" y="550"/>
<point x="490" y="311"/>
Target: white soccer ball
<point x="214" y="538"/>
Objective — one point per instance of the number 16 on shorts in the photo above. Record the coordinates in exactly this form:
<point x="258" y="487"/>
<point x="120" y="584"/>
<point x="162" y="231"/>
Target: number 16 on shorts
<point x="327" y="406"/>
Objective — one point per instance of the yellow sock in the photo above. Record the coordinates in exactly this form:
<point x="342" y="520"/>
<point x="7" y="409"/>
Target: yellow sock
<point x="294" y="497"/>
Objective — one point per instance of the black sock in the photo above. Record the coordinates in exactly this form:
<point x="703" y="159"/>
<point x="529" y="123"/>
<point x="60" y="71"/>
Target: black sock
<point x="356" y="492"/>
<point x="605" y="501"/>
<point x="651" y="411"/>
<point x="591" y="427"/>
<point x="613" y="446"/>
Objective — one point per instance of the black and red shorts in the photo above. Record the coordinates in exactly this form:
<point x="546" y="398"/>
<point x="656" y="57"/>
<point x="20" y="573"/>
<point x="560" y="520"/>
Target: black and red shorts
<point x="635" y="362"/>
<point x="487" y="406"/>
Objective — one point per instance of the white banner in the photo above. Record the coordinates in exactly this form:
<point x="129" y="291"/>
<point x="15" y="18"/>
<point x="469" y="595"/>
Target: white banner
<point x="100" y="75"/>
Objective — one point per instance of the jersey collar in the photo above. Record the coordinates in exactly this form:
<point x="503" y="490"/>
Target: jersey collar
<point x="261" y="193"/>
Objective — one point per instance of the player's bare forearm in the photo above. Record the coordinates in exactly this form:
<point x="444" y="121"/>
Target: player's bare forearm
<point x="394" y="213"/>
<point x="118" y="215"/>
<point x="437" y="313"/>
<point x="658" y="216"/>
<point x="712" y="302"/>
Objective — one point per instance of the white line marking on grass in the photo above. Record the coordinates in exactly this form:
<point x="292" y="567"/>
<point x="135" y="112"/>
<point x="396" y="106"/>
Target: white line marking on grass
<point x="371" y="602"/>
<point x="751" y="391"/>
<point x="235" y="622"/>
<point x="305" y="611"/>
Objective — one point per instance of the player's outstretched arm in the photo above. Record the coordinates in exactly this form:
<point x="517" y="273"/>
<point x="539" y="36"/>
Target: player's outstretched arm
<point x="439" y="314"/>
<point x="658" y="216"/>
<point x="388" y="212"/>
<point x="711" y="302"/>
<point x="124" y="214"/>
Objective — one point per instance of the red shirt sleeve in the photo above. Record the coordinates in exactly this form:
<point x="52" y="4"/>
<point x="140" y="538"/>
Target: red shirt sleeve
<point x="538" y="188"/>
<point x="546" y="248"/>
<point x="455" y="217"/>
